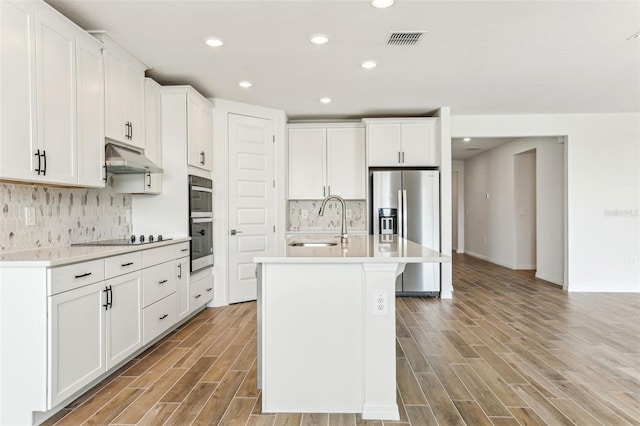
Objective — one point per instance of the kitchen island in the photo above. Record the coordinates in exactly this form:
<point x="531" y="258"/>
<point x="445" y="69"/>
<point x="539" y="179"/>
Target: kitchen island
<point x="326" y="324"/>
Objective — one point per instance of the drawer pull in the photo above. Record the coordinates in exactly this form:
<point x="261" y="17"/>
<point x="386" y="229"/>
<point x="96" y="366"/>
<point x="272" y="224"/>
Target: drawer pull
<point x="196" y="296"/>
<point x="185" y="249"/>
<point x="209" y="289"/>
<point x="127" y="264"/>
<point x="162" y="282"/>
<point x="163" y="317"/>
<point x="84" y="275"/>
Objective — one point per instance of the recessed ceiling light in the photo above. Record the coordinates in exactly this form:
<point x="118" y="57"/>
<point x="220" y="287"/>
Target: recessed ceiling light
<point x="325" y="100"/>
<point x="213" y="42"/>
<point x="636" y="36"/>
<point x="368" y="65"/>
<point x="245" y="84"/>
<point x="466" y="139"/>
<point x="381" y="4"/>
<point x="319" y="39"/>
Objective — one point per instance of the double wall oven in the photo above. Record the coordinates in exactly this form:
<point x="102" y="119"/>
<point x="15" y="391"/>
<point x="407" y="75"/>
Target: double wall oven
<point x="201" y="222"/>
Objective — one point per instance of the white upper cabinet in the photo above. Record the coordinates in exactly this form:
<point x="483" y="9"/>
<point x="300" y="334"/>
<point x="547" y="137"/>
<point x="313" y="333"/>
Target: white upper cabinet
<point x="199" y="131"/>
<point x="327" y="160"/>
<point x="124" y="94"/>
<point x="402" y="142"/>
<point x="51" y="98"/>
<point x="147" y="183"/>
<point x="18" y="138"/>
<point x="90" y="111"/>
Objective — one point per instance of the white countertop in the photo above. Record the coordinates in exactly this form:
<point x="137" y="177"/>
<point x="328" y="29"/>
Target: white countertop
<point x="360" y="249"/>
<point x="58" y="256"/>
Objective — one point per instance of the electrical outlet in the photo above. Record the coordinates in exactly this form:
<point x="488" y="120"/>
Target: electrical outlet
<point x="633" y="260"/>
<point x="380" y="303"/>
<point x="485" y="241"/>
<point x="305" y="214"/>
<point x="30" y="216"/>
<point x="348" y="213"/>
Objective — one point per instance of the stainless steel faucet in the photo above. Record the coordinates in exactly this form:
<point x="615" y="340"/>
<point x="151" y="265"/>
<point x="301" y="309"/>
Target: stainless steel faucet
<point x="344" y="239"/>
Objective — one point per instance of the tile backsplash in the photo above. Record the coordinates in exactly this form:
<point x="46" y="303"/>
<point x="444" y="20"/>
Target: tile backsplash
<point x="62" y="216"/>
<point x="332" y="218"/>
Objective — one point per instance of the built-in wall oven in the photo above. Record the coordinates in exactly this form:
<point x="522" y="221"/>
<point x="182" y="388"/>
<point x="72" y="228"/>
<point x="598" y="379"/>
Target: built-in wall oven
<point x="201" y="222"/>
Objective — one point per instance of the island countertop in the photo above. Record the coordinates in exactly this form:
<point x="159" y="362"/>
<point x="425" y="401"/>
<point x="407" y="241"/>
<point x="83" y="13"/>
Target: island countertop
<point x="359" y="249"/>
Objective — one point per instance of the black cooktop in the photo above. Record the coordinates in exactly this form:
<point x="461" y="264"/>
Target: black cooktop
<point x="133" y="241"/>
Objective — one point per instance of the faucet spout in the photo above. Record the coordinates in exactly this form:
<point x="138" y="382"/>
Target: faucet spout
<point x="344" y="238"/>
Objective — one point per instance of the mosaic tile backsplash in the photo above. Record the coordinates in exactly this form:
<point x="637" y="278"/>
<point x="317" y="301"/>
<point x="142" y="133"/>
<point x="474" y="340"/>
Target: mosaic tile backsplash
<point x="332" y="218"/>
<point x="62" y="216"/>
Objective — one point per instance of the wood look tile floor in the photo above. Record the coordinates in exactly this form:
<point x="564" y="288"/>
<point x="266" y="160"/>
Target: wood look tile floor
<point x="507" y="350"/>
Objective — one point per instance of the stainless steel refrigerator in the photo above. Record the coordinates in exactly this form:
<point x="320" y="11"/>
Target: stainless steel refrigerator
<point x="407" y="203"/>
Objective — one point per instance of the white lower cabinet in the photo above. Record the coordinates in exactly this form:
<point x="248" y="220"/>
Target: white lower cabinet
<point x="200" y="292"/>
<point x="124" y="317"/>
<point x="182" y="286"/>
<point x="77" y="353"/>
<point x="158" y="317"/>
<point x="92" y="329"/>
<point x="63" y="328"/>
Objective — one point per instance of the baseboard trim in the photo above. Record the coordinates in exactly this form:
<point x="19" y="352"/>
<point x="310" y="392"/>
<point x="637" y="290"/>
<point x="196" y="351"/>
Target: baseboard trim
<point x="550" y="279"/>
<point x="525" y="267"/>
<point x="380" y="412"/>
<point x="489" y="259"/>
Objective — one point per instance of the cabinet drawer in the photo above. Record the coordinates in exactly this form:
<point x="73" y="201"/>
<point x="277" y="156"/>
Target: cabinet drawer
<point x="158" y="255"/>
<point x="200" y="292"/>
<point x="182" y="249"/>
<point x="68" y="277"/>
<point x="122" y="264"/>
<point x="157" y="282"/>
<point x="158" y="317"/>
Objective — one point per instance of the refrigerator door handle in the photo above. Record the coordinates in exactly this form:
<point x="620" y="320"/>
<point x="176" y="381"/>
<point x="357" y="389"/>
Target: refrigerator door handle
<point x="404" y="213"/>
<point x="400" y="214"/>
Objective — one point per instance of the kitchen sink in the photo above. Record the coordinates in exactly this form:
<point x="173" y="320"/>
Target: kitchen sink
<point x="313" y="244"/>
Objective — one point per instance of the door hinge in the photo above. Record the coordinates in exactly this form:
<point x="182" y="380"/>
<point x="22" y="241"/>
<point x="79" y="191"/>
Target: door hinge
<point x="274" y="138"/>
<point x="274" y="228"/>
<point x="274" y="183"/>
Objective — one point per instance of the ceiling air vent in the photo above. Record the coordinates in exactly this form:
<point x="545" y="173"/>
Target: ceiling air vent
<point x="404" y="38"/>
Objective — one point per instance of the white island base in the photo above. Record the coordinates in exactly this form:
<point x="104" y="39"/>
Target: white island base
<point x="326" y="326"/>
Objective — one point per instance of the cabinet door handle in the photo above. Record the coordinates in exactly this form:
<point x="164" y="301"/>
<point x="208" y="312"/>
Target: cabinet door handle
<point x="162" y="282"/>
<point x="329" y="190"/>
<point x="106" y="303"/>
<point x="105" y="172"/>
<point x="149" y="182"/>
<point x="185" y="249"/>
<point x="37" y="154"/>
<point x="130" y="131"/>
<point x="209" y="289"/>
<point x="399" y="158"/>
<point x="402" y="157"/>
<point x="196" y="296"/>
<point x="163" y="317"/>
<point x="202" y="157"/>
<point x="110" y="297"/>
<point x="126" y="264"/>
<point x="44" y="155"/>
<point x="84" y="275"/>
<point x="126" y="130"/>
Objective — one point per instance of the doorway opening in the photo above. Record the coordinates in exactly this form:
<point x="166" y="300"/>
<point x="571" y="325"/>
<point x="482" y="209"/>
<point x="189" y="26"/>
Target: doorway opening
<point x="524" y="197"/>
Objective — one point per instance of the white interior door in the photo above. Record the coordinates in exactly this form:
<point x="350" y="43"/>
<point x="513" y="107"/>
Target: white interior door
<point x="252" y="201"/>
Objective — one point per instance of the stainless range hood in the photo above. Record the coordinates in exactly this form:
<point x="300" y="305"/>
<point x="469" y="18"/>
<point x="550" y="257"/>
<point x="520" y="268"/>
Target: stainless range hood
<point x="121" y="160"/>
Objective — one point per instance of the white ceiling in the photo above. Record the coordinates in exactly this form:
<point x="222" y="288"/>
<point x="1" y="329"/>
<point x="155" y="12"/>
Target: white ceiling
<point x="478" y="57"/>
<point x="461" y="150"/>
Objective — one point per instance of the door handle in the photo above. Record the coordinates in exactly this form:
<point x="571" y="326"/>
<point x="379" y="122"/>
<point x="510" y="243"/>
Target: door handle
<point x="37" y="154"/>
<point x="202" y="232"/>
<point x="234" y="232"/>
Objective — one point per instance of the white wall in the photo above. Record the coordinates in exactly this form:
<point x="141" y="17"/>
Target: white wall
<point x="524" y="197"/>
<point x="603" y="190"/>
<point x="458" y="167"/>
